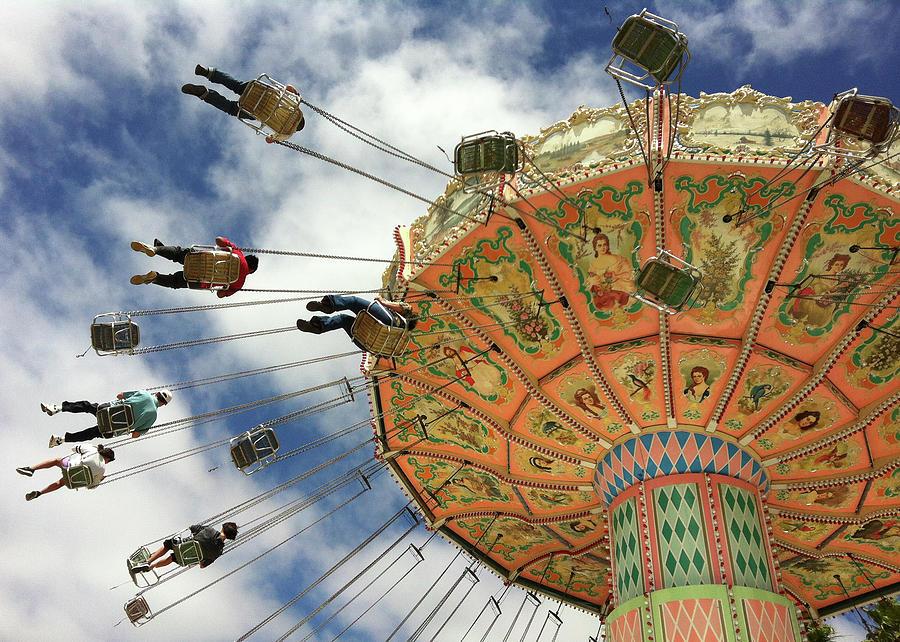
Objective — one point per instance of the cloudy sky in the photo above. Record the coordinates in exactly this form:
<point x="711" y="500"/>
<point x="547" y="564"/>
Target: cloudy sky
<point x="99" y="148"/>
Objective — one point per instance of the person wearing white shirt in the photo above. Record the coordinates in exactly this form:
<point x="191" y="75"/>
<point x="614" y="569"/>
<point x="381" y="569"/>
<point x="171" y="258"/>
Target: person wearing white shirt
<point x="94" y="457"/>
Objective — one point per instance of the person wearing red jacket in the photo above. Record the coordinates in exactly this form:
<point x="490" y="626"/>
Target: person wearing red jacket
<point x="248" y="265"/>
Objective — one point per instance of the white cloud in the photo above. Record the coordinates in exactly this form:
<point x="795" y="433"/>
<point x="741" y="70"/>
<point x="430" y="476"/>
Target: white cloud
<point x="408" y="76"/>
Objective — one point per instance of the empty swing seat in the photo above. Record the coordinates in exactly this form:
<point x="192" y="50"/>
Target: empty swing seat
<point x="376" y="337"/>
<point x="651" y="43"/>
<point x="487" y="152"/>
<point x="139" y="558"/>
<point x="114" y="333"/>
<point x="115" y="420"/>
<point x="667" y="286"/>
<point x="276" y="110"/>
<point x="187" y="552"/>
<point x="211" y="267"/>
<point x="77" y="475"/>
<point x="138" y="611"/>
<point x="487" y="159"/>
<point x="867" y="119"/>
<point x="254" y="450"/>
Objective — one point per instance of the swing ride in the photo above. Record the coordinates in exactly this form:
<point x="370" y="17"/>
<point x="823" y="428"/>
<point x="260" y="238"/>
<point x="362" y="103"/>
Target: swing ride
<point x="655" y="370"/>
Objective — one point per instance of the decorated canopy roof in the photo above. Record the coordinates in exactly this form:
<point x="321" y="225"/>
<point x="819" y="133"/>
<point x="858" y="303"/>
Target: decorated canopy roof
<point x="533" y="360"/>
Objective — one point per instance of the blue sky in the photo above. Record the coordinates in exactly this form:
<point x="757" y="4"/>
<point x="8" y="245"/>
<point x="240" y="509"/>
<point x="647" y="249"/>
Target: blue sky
<point x="99" y="148"/>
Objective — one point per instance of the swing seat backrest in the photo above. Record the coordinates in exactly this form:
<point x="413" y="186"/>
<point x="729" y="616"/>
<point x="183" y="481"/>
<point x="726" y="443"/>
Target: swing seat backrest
<point x="138" y="611"/>
<point x="651" y="43"/>
<point x="139" y="557"/>
<point x="497" y="153"/>
<point x="376" y="337"/>
<point x="77" y="475"/>
<point x="666" y="286"/>
<point x="115" y="420"/>
<point x="217" y="268"/>
<point x="115" y="337"/>
<point x="276" y="109"/>
<point x="867" y="118"/>
<point x="254" y="450"/>
<point x="187" y="552"/>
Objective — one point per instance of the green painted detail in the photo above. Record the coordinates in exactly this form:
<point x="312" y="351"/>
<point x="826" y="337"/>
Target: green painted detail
<point x="520" y="317"/>
<point x="839" y="281"/>
<point x="681" y="536"/>
<point x="716" y="592"/>
<point x="726" y="266"/>
<point x="746" y="541"/>
<point x="629" y="563"/>
<point x="742" y="593"/>
<point x="442" y="346"/>
<point x="613" y="211"/>
<point x="879" y="355"/>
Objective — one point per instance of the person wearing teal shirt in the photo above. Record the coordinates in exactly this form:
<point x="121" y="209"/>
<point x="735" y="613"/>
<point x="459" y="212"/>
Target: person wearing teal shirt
<point x="143" y="406"/>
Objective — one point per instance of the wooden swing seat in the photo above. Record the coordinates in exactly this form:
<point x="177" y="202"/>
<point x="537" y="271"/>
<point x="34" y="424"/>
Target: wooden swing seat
<point x="651" y="43"/>
<point x="139" y="558"/>
<point x="114" y="334"/>
<point x="212" y="268"/>
<point x="187" y="552"/>
<point x="254" y="450"/>
<point x="376" y="337"/>
<point x="487" y="153"/>
<point x="666" y="286"/>
<point x="77" y="475"/>
<point x="138" y="611"/>
<point x="115" y="420"/>
<point x="861" y="126"/>
<point x="275" y="108"/>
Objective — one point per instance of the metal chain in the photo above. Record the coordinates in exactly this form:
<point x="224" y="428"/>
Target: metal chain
<point x="387" y="149"/>
<point x="198" y="342"/>
<point x="372" y="177"/>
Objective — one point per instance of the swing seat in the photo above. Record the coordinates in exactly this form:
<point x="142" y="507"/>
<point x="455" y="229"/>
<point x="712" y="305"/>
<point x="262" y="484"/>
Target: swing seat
<point x="483" y="159"/>
<point x="114" y="333"/>
<point x="187" y="552"/>
<point x="870" y="120"/>
<point x="276" y="110"/>
<point x="376" y="337"/>
<point x="115" y="420"/>
<point x="138" y="611"/>
<point x="211" y="267"/>
<point x="487" y="152"/>
<point x="652" y="44"/>
<point x="140" y="557"/>
<point x="667" y="286"/>
<point x="77" y="475"/>
<point x="254" y="450"/>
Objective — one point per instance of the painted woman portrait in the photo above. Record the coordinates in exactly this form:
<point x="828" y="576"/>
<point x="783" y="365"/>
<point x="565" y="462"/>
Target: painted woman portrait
<point x="610" y="276"/>
<point x="698" y="389"/>
<point x="802" y="421"/>
<point x="817" y="301"/>
<point x="583" y="525"/>
<point x="587" y="400"/>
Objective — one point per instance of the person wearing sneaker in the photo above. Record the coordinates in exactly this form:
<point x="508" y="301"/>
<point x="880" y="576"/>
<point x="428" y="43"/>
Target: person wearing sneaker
<point x="176" y="253"/>
<point x="212" y="543"/>
<point x="390" y="313"/>
<point x="94" y="457"/>
<point x="143" y="406"/>
<point x="230" y="107"/>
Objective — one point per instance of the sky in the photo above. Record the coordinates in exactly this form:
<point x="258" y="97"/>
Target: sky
<point x="98" y="147"/>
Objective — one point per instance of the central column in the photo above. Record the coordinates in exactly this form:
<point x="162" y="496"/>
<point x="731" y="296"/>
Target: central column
<point x="690" y="551"/>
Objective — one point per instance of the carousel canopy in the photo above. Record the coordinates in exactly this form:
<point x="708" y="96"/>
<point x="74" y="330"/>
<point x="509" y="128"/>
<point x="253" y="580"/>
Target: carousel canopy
<point x="534" y="362"/>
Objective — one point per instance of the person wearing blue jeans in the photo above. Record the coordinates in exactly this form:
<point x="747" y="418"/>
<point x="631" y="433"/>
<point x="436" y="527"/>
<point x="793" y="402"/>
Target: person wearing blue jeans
<point x="219" y="101"/>
<point x="390" y="313"/>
